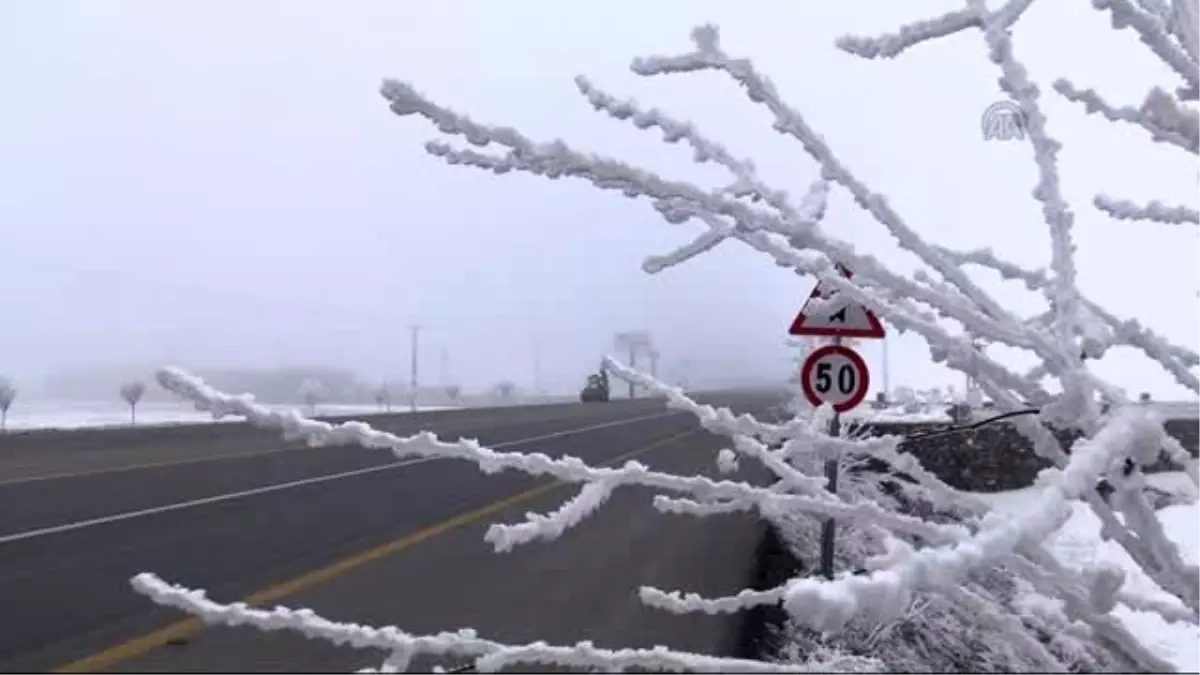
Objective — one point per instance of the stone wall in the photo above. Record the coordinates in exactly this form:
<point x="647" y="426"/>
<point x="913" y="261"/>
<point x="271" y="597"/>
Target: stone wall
<point x="997" y="457"/>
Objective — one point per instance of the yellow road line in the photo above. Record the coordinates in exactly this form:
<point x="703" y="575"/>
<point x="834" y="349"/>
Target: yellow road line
<point x="144" y="644"/>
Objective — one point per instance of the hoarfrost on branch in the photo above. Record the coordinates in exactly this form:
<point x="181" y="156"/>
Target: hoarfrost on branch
<point x="764" y="218"/>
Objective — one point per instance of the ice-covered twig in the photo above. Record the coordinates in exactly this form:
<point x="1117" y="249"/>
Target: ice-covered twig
<point x="890" y="45"/>
<point x="788" y="121"/>
<point x="1064" y="289"/>
<point x="1034" y="280"/>
<point x="1153" y="33"/>
<point x="567" y="469"/>
<point x="590" y="498"/>
<point x="703" y="150"/>
<point x="1154" y="211"/>
<point x="686" y="603"/>
<point x="754" y="227"/>
<point x="1160" y="114"/>
<point x="829" y="605"/>
<point x="488" y="655"/>
<point x="763" y="217"/>
<point x="678" y="202"/>
<point x="799" y="436"/>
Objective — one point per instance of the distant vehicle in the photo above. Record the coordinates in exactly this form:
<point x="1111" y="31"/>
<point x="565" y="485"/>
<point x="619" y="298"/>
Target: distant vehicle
<point x="596" y="389"/>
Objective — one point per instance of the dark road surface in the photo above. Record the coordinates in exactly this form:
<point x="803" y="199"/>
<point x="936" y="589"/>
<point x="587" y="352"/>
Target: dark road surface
<point x="333" y="529"/>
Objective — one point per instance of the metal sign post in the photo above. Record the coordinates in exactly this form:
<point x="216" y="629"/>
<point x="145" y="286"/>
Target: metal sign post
<point x="836" y="375"/>
<point x="829" y="527"/>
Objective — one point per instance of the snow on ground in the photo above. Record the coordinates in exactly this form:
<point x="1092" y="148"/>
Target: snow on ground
<point x="1078" y="544"/>
<point x="1178" y="409"/>
<point x="938" y="413"/>
<point x="896" y="414"/>
<point x="86" y="414"/>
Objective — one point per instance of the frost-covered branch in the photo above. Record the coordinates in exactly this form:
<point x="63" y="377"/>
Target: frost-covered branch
<point x="489" y="656"/>
<point x="1160" y="114"/>
<point x="1152" y="31"/>
<point x="567" y="469"/>
<point x="910" y="35"/>
<point x="874" y="286"/>
<point x="788" y="121"/>
<point x="887" y="293"/>
<point x="916" y="555"/>
<point x="1154" y="211"/>
<point x="799" y="436"/>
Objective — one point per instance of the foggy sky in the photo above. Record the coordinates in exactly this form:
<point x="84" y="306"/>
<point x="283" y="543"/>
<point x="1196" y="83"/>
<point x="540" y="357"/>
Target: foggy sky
<point x="220" y="183"/>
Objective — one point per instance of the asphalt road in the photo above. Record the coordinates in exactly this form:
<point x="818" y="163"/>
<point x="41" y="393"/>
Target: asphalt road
<point x="358" y="536"/>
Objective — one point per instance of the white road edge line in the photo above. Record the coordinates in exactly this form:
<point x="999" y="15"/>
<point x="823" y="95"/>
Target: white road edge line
<point x="191" y="461"/>
<point x="229" y="496"/>
<point x="199" y="460"/>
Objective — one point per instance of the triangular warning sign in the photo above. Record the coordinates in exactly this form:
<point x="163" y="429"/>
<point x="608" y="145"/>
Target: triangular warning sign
<point x="834" y="319"/>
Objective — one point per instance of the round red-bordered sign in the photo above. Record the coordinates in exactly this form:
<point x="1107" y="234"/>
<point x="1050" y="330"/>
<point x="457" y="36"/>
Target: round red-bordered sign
<point x="836" y="375"/>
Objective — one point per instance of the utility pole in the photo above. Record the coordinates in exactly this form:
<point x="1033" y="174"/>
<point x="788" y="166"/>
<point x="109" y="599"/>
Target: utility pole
<point x="887" y="388"/>
<point x="971" y="383"/>
<point x="829" y="526"/>
<point x="632" y="364"/>
<point x="537" y="366"/>
<point x="445" y="367"/>
<point x="685" y="369"/>
<point x="412" y="381"/>
<point x="635" y="341"/>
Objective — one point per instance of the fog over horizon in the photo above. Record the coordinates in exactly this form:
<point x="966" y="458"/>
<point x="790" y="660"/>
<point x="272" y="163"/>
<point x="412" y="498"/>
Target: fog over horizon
<point x="220" y="185"/>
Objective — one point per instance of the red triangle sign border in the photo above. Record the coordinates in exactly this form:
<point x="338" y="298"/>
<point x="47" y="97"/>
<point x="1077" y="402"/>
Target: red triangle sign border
<point x="873" y="330"/>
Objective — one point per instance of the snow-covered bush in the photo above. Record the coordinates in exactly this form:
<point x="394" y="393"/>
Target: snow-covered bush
<point x="311" y="392"/>
<point x="908" y="399"/>
<point x="383" y="397"/>
<point x="924" y="554"/>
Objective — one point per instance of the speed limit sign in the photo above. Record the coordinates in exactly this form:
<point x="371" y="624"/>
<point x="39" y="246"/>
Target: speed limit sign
<point x="835" y="375"/>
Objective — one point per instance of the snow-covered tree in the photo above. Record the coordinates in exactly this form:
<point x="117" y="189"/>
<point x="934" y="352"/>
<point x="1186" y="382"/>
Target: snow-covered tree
<point x="908" y="399"/>
<point x="993" y="575"/>
<point x="934" y="396"/>
<point x="453" y="391"/>
<point x="8" y="394"/>
<point x="383" y="397"/>
<point x="311" y="391"/>
<point x="505" y="389"/>
<point x="132" y="391"/>
<point x="801" y="348"/>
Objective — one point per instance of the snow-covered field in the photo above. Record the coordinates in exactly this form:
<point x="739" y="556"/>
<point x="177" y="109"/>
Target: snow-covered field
<point x="897" y="414"/>
<point x="1078" y="544"/>
<point x="1168" y="410"/>
<point x="81" y="414"/>
<point x="1178" y="409"/>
